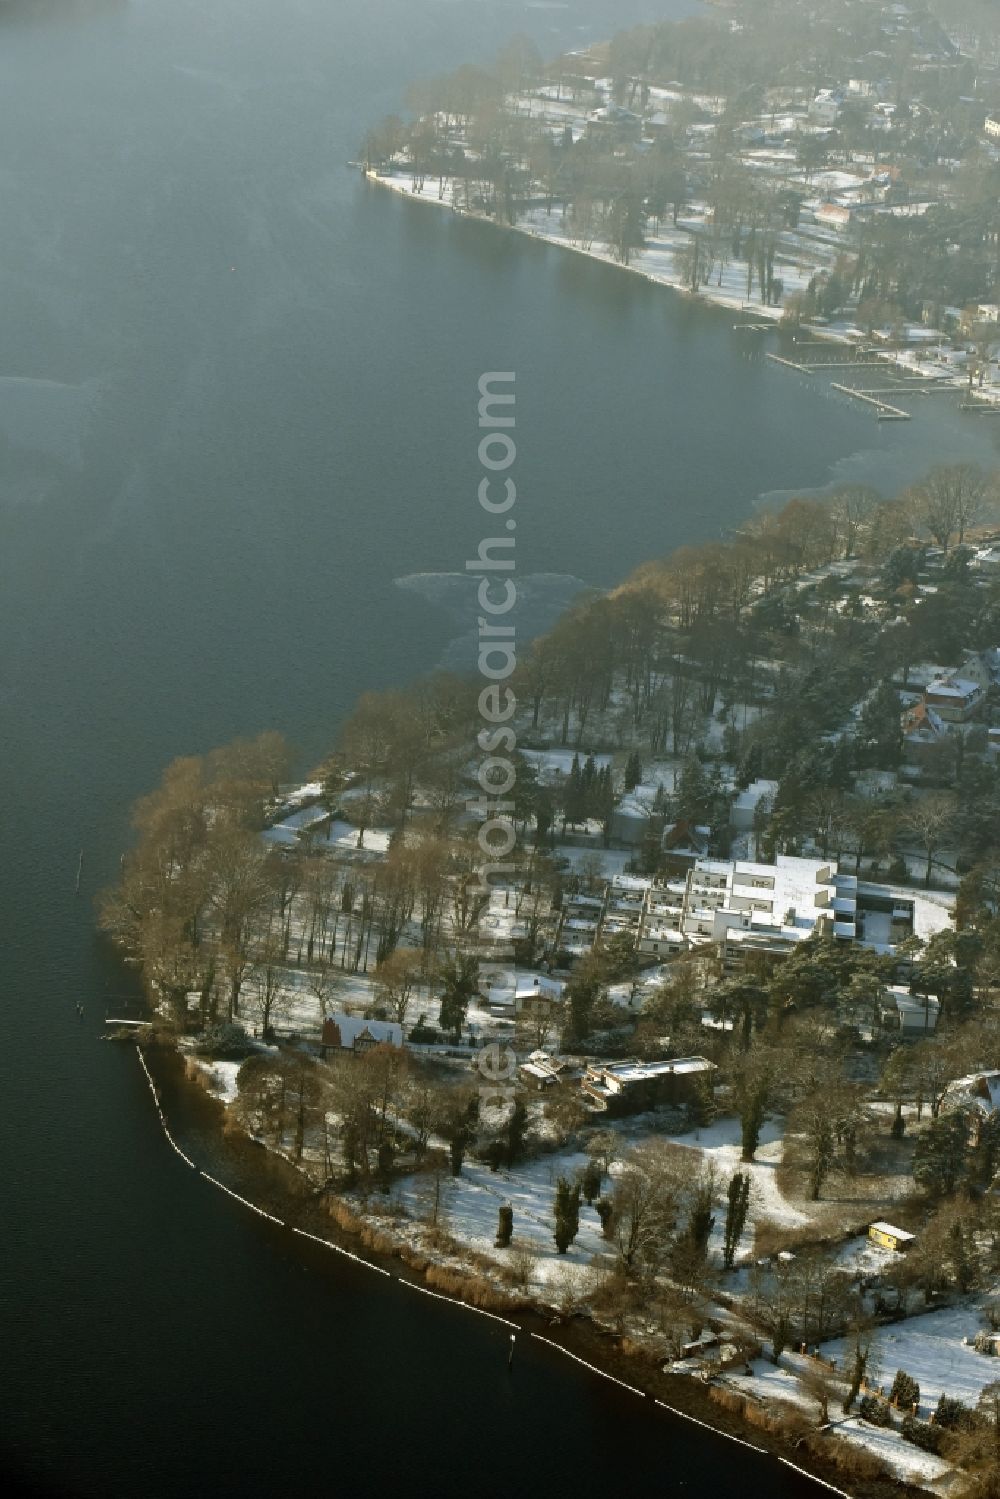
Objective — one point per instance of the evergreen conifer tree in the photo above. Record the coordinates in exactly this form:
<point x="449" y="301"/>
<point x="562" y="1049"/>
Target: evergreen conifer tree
<point x="736" y="1216"/>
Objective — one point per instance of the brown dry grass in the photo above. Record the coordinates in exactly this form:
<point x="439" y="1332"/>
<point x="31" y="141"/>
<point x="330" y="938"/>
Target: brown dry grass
<point x="727" y="1399"/>
<point x="851" y="1461"/>
<point x="466" y="1287"/>
<point x="777" y="1417"/>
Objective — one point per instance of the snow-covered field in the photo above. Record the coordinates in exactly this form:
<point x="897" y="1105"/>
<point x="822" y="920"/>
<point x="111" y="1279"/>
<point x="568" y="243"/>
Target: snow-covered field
<point x="930" y="1348"/>
<point x="906" y="1461"/>
<point x="720" y="1145"/>
<point x="340" y="837"/>
<point x="471" y="1203"/>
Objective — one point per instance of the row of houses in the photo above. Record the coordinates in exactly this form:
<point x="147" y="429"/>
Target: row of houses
<point x="742" y="907"/>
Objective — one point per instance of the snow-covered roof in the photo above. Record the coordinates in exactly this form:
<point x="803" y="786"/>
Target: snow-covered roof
<point x="955" y="687"/>
<point x="978" y="1090"/>
<point x="757" y="790"/>
<point x="527" y="984"/>
<point x="906" y="1002"/>
<point x="889" y="1228"/>
<point x="637" y="1072"/>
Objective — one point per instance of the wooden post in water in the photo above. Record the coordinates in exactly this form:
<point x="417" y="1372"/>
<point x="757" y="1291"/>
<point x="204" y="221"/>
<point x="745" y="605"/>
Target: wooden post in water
<point x="79" y="871"/>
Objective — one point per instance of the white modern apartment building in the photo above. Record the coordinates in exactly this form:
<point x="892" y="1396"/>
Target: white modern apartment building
<point x="743" y="907"/>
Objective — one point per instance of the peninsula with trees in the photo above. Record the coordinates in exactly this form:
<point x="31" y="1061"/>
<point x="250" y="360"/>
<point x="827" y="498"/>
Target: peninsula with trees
<point x="753" y="1131"/>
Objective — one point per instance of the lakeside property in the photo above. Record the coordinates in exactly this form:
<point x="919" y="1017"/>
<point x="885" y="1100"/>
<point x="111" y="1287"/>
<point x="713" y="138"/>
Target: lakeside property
<point x="815" y="195"/>
<point x="749" y="935"/>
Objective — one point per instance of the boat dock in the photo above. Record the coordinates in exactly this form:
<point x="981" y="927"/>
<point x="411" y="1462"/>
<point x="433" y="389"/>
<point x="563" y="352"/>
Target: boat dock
<point x="803" y="369"/>
<point x="884" y="411"/>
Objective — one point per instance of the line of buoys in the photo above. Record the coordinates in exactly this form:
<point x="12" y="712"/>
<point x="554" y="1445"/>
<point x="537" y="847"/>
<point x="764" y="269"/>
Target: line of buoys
<point x="453" y="1301"/>
<point x="812" y="1477"/>
<point x="708" y="1426"/>
<point x="358" y="1260"/>
<point x="754" y="1448"/>
<point x="187" y="1159"/>
<point x="245" y="1201"/>
<point x="163" y="1123"/>
<point x="592" y="1367"/>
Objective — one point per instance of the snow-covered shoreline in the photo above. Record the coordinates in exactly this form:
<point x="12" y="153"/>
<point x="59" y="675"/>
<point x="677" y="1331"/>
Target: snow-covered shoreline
<point x="403" y="183"/>
<point x="654" y="264"/>
<point x="420" y="1271"/>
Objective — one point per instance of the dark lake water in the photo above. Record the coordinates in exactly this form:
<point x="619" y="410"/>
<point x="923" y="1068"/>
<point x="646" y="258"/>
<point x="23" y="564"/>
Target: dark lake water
<point x="237" y="412"/>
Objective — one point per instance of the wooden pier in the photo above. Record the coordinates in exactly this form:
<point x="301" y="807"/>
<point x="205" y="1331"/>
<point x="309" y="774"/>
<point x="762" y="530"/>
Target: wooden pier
<point x="804" y="369"/>
<point x="884" y="411"/>
<point x="846" y="364"/>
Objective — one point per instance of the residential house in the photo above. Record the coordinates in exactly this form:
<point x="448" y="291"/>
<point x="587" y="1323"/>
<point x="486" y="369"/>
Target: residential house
<point x="987" y="559"/>
<point x="922" y="727"/>
<point x="542" y="1071"/>
<point x="867" y="88"/>
<point x="977" y="1093"/>
<point x="539" y="1009"/>
<point x="876" y="785"/>
<point x="992" y="128"/>
<point x="749" y="802"/>
<point x="633" y="1086"/>
<point x="684" y="843"/>
<point x="631" y="818"/>
<point x="357" y="1034"/>
<point x="834" y="216"/>
<point x="913" y="1016"/>
<point x="611" y="123"/>
<point x="983" y="667"/>
<point x="516" y="991"/>
<point x="890" y="1237"/>
<point x="954" y="698"/>
<point x="826" y="107"/>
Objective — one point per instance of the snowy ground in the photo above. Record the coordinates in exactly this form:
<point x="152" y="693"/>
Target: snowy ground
<point x="930" y="1348"/>
<point x="781" y="1382"/>
<point x="559" y="762"/>
<point x="906" y="1461"/>
<point x="220" y="1076"/>
<point x="863" y="1257"/>
<point x="471" y="1204"/>
<point x="340" y="838"/>
<point x="720" y="1145"/>
<point x="610" y="861"/>
<point x="291" y="828"/>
